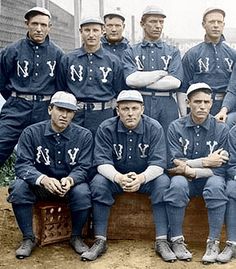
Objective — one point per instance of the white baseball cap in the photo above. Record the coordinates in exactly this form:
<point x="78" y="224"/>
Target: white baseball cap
<point x="65" y="100"/>
<point x="115" y="13"/>
<point x="213" y="9"/>
<point x="153" y="10"/>
<point x="39" y="10"/>
<point x="198" y="86"/>
<point x="129" y="95"/>
<point x="91" y="20"/>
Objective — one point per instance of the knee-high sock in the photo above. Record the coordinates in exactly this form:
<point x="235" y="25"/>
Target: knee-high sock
<point x="176" y="219"/>
<point x="216" y="220"/>
<point x="160" y="219"/>
<point x="100" y="218"/>
<point x="78" y="219"/>
<point x="231" y="220"/>
<point x="24" y="218"/>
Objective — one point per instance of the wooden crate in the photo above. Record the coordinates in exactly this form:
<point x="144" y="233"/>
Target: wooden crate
<point x="52" y="222"/>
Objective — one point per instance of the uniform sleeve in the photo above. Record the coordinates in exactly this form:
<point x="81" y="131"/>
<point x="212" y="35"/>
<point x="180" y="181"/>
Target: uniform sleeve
<point x="230" y="98"/>
<point x="188" y="69"/>
<point x="232" y="153"/>
<point x="174" y="147"/>
<point x="118" y="81"/>
<point x="80" y="170"/>
<point x="157" y="149"/>
<point x="129" y="63"/>
<point x="61" y="77"/>
<point x="103" y="147"/>
<point x="175" y="68"/>
<point x="5" y="63"/>
<point x="25" y="157"/>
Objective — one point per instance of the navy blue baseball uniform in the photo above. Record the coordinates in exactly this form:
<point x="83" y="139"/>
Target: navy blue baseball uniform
<point x="191" y="142"/>
<point x="230" y="215"/>
<point x="45" y="153"/>
<point x="129" y="151"/>
<point x="150" y="56"/>
<point x="95" y="79"/>
<point x="212" y="64"/>
<point x="27" y="75"/>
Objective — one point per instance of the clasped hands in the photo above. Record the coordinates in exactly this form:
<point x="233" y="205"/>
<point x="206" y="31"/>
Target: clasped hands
<point x="181" y="168"/>
<point x="57" y="187"/>
<point x="130" y="182"/>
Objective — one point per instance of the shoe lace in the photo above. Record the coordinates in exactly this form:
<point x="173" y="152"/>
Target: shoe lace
<point x="211" y="246"/>
<point x="97" y="243"/>
<point x="180" y="245"/>
<point x="227" y="248"/>
<point x="26" y="244"/>
<point x="163" y="245"/>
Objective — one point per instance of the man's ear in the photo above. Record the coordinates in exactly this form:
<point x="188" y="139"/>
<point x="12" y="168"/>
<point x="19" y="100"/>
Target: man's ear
<point x="49" y="110"/>
<point x="117" y="111"/>
<point x="187" y="102"/>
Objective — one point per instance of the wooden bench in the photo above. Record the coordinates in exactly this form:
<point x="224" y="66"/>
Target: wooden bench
<point x="131" y="218"/>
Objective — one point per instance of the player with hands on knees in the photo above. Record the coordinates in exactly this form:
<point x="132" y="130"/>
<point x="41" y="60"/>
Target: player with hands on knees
<point x="53" y="158"/>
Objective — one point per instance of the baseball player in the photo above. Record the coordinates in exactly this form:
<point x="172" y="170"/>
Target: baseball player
<point x="93" y="75"/>
<point x="212" y="62"/>
<point x="155" y="68"/>
<point x="229" y="251"/>
<point x="130" y="155"/>
<point x="197" y="145"/>
<point x="27" y="79"/>
<point x="53" y="158"/>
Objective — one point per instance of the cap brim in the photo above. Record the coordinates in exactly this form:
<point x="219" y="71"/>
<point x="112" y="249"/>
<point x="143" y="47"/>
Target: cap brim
<point x="65" y="105"/>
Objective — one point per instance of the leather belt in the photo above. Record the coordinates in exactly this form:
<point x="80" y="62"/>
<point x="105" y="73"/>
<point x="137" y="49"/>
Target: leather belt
<point x="96" y="105"/>
<point x="156" y="93"/>
<point x="32" y="97"/>
<point x="219" y="96"/>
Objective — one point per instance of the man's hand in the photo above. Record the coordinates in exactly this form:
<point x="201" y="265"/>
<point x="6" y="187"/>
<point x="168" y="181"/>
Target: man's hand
<point x="66" y="184"/>
<point x="222" y="115"/>
<point x="52" y="185"/>
<point x="215" y="159"/>
<point x="134" y="183"/>
<point x="122" y="179"/>
<point x="182" y="169"/>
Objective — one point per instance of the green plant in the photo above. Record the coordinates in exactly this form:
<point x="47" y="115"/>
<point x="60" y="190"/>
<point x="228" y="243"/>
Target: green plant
<point x="7" y="171"/>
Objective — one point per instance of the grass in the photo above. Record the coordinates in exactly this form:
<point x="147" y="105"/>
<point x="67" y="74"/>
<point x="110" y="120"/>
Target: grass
<point x="7" y="171"/>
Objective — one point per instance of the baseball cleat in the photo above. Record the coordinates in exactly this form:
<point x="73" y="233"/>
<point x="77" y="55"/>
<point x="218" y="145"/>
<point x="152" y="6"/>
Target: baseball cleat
<point x="25" y="248"/>
<point x="97" y="249"/>
<point x="227" y="254"/>
<point x="180" y="250"/>
<point x="78" y="244"/>
<point x="212" y="251"/>
<point x="162" y="248"/>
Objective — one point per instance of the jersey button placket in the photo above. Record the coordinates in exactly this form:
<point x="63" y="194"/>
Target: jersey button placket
<point x="196" y="152"/>
<point x="130" y="144"/>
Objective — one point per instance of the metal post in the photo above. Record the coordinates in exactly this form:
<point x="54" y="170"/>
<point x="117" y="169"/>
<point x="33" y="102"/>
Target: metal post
<point x="132" y="29"/>
<point x="77" y="18"/>
<point x="101" y="8"/>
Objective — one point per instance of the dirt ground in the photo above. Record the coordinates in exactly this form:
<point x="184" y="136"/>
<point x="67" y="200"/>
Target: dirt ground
<point x="128" y="254"/>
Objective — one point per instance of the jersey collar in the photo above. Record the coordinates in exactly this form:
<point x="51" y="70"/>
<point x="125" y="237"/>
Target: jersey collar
<point x="50" y="132"/>
<point x="158" y="43"/>
<point x="205" y="124"/>
<point x="33" y="44"/>
<point x="122" y="129"/>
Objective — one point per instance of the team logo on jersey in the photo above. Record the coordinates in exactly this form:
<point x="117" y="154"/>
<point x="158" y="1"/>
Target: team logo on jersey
<point x="166" y="60"/>
<point x="118" y="148"/>
<point x="74" y="72"/>
<point x="143" y="148"/>
<point x="230" y="63"/>
<point x="139" y="63"/>
<point x="203" y="65"/>
<point x="52" y="67"/>
<point x="105" y="73"/>
<point x="43" y="155"/>
<point x="73" y="155"/>
<point x="24" y="70"/>
<point x="185" y="144"/>
<point x="211" y="145"/>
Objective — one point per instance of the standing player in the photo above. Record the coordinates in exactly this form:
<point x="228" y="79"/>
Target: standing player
<point x="196" y="145"/>
<point x="113" y="39"/>
<point x="53" y="158"/>
<point x="93" y="75"/>
<point x="28" y="69"/>
<point x="155" y="68"/>
<point x="212" y="62"/>
<point x="130" y="155"/>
